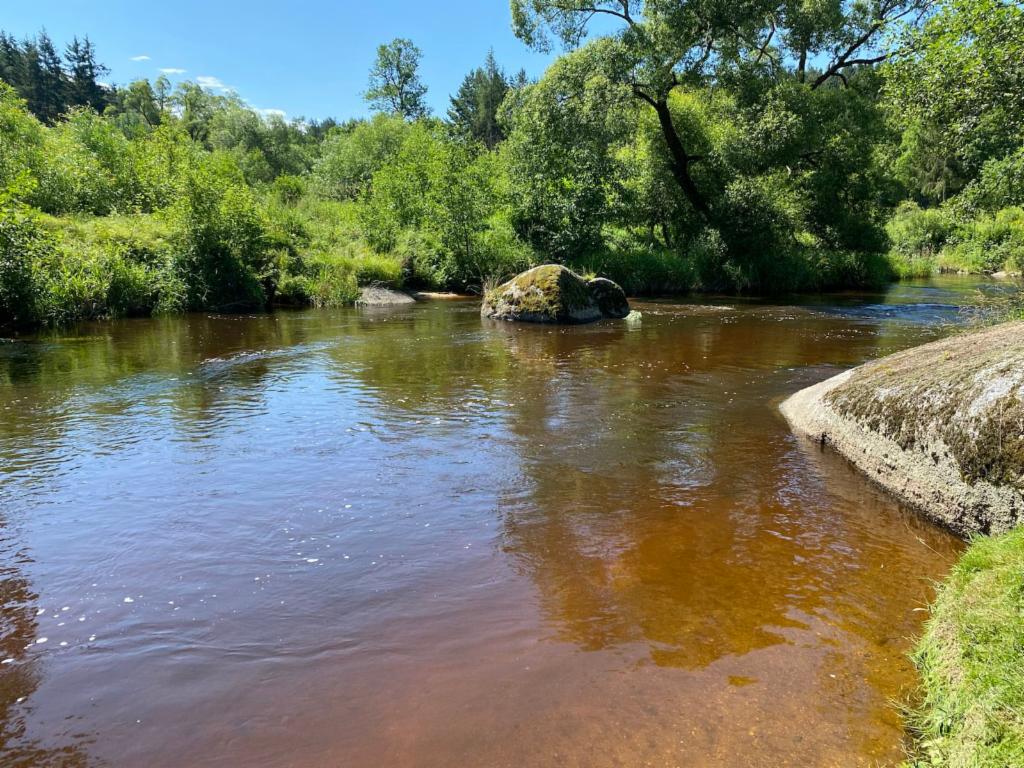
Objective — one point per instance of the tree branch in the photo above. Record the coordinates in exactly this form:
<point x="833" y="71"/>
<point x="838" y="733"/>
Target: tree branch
<point x="623" y="15"/>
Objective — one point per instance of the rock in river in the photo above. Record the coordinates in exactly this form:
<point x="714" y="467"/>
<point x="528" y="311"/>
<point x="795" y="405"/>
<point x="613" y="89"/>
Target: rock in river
<point x="377" y="296"/>
<point x="609" y="297"/>
<point x="941" y="426"/>
<point x="552" y="293"/>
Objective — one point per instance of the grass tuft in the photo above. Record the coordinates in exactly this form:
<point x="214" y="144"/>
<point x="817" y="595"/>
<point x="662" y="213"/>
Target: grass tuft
<point x="971" y="660"/>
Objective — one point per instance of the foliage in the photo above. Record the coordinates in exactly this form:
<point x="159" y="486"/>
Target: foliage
<point x="49" y="83"/>
<point x="917" y="236"/>
<point x="474" y="108"/>
<point x="990" y="243"/>
<point x="22" y="242"/>
<point x="700" y="146"/>
<point x="395" y="85"/>
<point x="220" y="239"/>
<point x="961" y="76"/>
<point x="561" y="154"/>
<point x="350" y="156"/>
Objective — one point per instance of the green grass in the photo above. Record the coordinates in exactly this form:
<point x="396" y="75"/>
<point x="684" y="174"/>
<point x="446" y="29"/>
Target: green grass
<point x="971" y="660"/>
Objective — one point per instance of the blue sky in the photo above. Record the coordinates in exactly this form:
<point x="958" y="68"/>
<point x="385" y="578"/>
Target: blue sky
<point x="305" y="57"/>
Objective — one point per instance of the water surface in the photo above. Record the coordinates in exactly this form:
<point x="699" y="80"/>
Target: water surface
<point x="413" y="538"/>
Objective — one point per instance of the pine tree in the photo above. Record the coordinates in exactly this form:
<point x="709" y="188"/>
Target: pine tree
<point x="10" y="61"/>
<point x="474" y="109"/>
<point x="52" y="84"/>
<point x="84" y="71"/>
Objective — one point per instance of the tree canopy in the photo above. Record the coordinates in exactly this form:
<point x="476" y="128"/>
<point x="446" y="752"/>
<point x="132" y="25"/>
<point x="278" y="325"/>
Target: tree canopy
<point x="474" y="108"/>
<point x="395" y="84"/>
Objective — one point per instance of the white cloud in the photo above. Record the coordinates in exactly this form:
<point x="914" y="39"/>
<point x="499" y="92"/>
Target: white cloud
<point x="212" y="83"/>
<point x="272" y="112"/>
<point x="143" y="57"/>
<point x="172" y="71"/>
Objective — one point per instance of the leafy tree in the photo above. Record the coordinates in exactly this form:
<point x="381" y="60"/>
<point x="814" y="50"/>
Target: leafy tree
<point x="395" y="84"/>
<point x="474" y="109"/>
<point x="561" y="152"/>
<point x="664" y="45"/>
<point x="162" y="94"/>
<point x="959" y="80"/>
<point x="197" y="108"/>
<point x="350" y="156"/>
<point x="135" y="108"/>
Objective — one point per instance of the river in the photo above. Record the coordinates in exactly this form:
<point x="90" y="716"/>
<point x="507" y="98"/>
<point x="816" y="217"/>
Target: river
<point x="409" y="537"/>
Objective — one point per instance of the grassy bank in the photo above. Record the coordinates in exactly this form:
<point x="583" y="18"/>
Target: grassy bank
<point x="971" y="660"/>
<point x="929" y="241"/>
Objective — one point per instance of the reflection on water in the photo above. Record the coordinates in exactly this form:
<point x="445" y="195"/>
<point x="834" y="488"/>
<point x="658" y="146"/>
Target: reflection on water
<point x="416" y="538"/>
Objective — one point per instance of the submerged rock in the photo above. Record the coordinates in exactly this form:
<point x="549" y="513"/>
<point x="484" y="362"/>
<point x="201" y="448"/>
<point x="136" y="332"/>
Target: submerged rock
<point x="552" y="293"/>
<point x="941" y="426"/>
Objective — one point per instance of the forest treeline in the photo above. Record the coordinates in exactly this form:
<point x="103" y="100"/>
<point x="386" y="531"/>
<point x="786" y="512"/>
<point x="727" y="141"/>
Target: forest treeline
<point x="764" y="146"/>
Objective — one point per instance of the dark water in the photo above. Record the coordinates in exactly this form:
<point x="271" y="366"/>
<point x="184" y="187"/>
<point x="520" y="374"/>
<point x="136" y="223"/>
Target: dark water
<point x="411" y="538"/>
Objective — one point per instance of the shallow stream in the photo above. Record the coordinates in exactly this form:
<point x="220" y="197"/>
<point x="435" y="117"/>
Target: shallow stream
<point x="408" y="537"/>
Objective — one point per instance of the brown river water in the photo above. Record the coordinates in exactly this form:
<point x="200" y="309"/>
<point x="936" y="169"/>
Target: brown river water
<point x="410" y="537"/>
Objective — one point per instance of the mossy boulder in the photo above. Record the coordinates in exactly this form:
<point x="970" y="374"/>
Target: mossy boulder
<point x="941" y="425"/>
<point x="552" y="293"/>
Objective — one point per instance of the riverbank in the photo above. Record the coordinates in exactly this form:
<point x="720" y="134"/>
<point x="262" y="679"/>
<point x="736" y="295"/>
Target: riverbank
<point x="941" y="426"/>
<point x="971" y="661"/>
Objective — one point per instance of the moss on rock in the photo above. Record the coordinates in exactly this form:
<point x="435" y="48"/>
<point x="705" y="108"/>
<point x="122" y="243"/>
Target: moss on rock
<point x="552" y="293"/>
<point x="962" y="393"/>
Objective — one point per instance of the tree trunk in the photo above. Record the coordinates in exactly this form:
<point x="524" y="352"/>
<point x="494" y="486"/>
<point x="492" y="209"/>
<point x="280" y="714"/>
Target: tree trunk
<point x="681" y="161"/>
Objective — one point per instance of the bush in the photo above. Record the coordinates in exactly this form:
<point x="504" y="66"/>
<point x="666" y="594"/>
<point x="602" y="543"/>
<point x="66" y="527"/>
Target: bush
<point x="288" y="190"/>
<point x="640" y="267"/>
<point x="990" y="243"/>
<point x="89" y="168"/>
<point x="916" y="237"/>
<point x="22" y="242"/>
<point x="220" y="240"/>
<point x="350" y="158"/>
<point x="421" y="257"/>
<point x="21" y="141"/>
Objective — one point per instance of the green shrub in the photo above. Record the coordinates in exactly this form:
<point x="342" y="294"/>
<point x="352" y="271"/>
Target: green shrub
<point x="331" y="285"/>
<point x="350" y="158"/>
<point x="21" y="140"/>
<point x="990" y="243"/>
<point x="1000" y="184"/>
<point x="421" y="257"/>
<point x="220" y="240"/>
<point x="640" y="267"/>
<point x="22" y="242"/>
<point x="916" y="238"/>
<point x="288" y="190"/>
